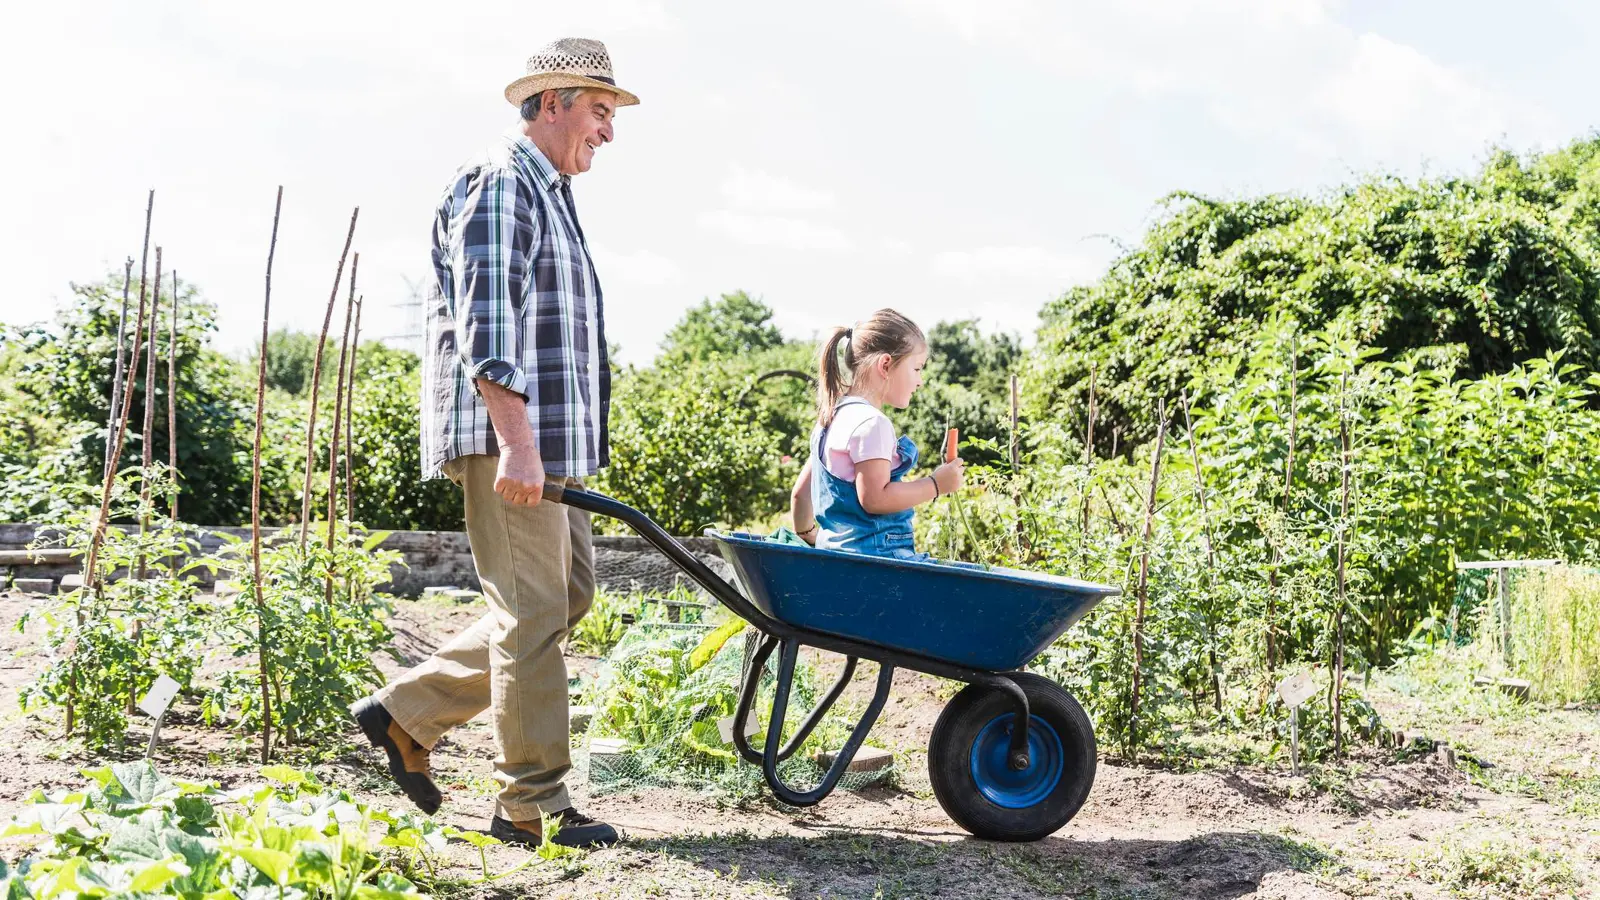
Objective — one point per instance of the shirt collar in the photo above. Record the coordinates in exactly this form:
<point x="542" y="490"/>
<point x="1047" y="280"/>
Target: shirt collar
<point x="534" y="162"/>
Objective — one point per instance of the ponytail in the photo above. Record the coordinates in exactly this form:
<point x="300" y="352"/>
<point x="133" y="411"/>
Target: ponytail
<point x="830" y="381"/>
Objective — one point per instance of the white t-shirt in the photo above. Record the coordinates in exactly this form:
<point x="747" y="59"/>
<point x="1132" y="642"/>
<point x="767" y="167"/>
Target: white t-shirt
<point x="859" y="432"/>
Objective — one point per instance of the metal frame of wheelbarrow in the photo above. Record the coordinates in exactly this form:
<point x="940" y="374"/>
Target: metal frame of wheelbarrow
<point x="788" y="640"/>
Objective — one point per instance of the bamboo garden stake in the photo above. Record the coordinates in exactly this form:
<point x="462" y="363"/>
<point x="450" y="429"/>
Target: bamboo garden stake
<point x="316" y="379"/>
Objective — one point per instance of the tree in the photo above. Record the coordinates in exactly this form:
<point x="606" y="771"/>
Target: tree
<point x="686" y="453"/>
<point x="967" y="386"/>
<point x="290" y="355"/>
<point x="733" y="325"/>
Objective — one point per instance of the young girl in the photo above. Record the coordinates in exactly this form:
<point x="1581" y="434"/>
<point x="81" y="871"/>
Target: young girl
<point x="850" y="495"/>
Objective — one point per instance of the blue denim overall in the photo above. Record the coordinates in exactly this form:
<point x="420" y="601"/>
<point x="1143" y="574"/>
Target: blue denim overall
<point x="841" y="522"/>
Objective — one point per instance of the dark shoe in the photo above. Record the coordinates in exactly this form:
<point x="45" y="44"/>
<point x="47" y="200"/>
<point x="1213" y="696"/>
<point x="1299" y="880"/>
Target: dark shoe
<point x="577" y="830"/>
<point x="408" y="760"/>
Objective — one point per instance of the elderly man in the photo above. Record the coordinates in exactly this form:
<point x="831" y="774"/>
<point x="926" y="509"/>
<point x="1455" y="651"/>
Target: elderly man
<point x="516" y="392"/>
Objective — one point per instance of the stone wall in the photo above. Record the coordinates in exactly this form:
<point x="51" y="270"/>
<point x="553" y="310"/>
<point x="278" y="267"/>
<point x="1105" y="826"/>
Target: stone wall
<point x="432" y="558"/>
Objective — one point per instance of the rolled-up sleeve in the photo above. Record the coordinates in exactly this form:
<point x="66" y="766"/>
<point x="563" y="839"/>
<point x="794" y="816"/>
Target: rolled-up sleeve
<point x="490" y="276"/>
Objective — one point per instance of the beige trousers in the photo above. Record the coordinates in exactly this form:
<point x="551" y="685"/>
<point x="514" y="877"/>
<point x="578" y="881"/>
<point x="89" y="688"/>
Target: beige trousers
<point x="536" y="565"/>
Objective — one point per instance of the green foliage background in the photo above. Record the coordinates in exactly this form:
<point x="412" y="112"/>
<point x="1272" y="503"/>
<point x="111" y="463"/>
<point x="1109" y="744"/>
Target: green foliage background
<point x="1433" y="344"/>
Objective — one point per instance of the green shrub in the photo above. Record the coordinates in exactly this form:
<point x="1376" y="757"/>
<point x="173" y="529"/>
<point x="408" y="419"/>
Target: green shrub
<point x="1504" y="266"/>
<point x="687" y="454"/>
<point x="135" y="833"/>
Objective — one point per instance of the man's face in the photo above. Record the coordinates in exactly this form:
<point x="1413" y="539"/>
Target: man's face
<point x="579" y="131"/>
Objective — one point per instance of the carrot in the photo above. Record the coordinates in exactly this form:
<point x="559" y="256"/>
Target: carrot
<point x="950" y="438"/>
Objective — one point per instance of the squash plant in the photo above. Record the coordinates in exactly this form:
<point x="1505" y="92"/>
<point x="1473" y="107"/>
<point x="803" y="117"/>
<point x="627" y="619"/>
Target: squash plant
<point x="134" y="832"/>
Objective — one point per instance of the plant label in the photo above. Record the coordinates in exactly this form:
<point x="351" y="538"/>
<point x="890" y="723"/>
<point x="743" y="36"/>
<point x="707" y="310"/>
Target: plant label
<point x="160" y="697"/>
<point x="1296" y="689"/>
<point x="725" y="727"/>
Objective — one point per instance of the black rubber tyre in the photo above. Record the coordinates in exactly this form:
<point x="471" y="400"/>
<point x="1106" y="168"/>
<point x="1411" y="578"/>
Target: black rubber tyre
<point x="966" y="753"/>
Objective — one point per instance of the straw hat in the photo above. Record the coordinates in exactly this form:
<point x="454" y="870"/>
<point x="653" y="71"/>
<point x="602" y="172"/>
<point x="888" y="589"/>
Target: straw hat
<point x="568" y="62"/>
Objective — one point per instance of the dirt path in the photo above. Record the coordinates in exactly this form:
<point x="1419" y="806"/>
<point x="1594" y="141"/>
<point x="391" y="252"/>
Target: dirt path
<point x="1383" y="830"/>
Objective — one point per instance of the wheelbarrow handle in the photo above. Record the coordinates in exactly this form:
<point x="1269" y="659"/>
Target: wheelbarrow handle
<point x="601" y="505"/>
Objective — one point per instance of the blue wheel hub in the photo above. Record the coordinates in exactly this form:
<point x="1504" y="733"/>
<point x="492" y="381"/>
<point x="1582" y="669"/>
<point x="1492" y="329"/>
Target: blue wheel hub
<point x="1007" y="787"/>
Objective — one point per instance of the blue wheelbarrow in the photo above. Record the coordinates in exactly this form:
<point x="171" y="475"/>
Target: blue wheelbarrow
<point x="1012" y="756"/>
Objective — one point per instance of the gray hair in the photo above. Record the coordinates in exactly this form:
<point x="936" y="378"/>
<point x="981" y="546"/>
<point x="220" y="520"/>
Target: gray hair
<point x="532" y="105"/>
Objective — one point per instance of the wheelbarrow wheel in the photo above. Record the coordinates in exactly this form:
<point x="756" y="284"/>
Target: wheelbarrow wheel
<point x="967" y="761"/>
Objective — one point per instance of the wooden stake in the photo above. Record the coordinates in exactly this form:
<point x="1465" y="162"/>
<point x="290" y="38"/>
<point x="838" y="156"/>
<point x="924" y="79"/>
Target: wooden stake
<point x="255" y="499"/>
<point x="1288" y="487"/>
<point x="148" y="455"/>
<point x="1144" y="582"/>
<point x="316" y="379"/>
<point x="1088" y="460"/>
<point x="91" y="570"/>
<point x="1337" y="685"/>
<point x="350" y="416"/>
<point x="333" y="437"/>
<point x="116" y="373"/>
<point x="1211" y="552"/>
<point x="172" y="403"/>
<point x="144" y="259"/>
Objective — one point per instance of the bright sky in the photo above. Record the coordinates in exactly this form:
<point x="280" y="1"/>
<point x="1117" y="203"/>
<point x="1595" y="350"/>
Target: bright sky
<point x="951" y="158"/>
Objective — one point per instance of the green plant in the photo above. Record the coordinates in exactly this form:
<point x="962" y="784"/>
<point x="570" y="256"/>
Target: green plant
<point x="135" y="833"/>
<point x="109" y="644"/>
<point x="319" y="652"/>
<point x="62" y="381"/>
<point x="1499" y="268"/>
<point x="1497" y="868"/>
<point x="600" y="630"/>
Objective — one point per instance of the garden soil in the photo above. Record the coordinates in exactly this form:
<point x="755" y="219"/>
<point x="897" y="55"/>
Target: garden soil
<point x="1145" y="833"/>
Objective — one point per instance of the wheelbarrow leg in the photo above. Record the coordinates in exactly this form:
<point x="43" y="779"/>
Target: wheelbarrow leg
<point x="747" y="693"/>
<point x="841" y="762"/>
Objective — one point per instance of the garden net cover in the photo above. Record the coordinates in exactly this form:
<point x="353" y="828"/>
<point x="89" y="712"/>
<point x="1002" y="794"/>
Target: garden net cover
<point x="663" y="690"/>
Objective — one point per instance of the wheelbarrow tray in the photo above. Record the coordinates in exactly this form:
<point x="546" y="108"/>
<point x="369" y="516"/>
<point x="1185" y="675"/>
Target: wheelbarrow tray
<point x="984" y="618"/>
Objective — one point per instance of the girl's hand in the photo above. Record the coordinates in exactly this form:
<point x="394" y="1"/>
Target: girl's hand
<point x="950" y="476"/>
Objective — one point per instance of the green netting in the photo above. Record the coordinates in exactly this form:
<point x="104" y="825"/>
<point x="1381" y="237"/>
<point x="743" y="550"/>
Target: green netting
<point x="1543" y="629"/>
<point x="663" y="690"/>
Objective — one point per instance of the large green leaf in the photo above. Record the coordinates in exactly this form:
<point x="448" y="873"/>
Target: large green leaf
<point x="275" y="864"/>
<point x="713" y="643"/>
<point x="139" y="839"/>
<point x="141" y="785"/>
<point x="154" y="877"/>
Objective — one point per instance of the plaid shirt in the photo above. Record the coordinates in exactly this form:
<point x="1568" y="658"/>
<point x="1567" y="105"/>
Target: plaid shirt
<point x="515" y="301"/>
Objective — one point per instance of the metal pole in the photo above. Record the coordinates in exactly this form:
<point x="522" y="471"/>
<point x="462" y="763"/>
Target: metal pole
<point x="1505" y="615"/>
<point x="1294" y="741"/>
<point x="155" y="733"/>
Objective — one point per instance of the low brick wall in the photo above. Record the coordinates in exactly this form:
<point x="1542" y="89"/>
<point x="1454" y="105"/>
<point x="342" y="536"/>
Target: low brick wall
<point x="432" y="558"/>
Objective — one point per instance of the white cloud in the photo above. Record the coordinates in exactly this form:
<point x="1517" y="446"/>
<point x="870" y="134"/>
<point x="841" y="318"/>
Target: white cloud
<point x="774" y="231"/>
<point x="987" y="264"/>
<point x="641" y="267"/>
<point x="1271" y="69"/>
<point x="758" y="191"/>
<point x="1387" y="91"/>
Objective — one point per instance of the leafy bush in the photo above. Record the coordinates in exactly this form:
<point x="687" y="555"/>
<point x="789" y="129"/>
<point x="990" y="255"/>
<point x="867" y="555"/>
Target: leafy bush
<point x="134" y="833"/>
<point x="1505" y="266"/>
<point x="62" y="395"/>
<point x="387" y="456"/>
<point x="687" y="454"/>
